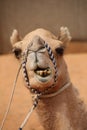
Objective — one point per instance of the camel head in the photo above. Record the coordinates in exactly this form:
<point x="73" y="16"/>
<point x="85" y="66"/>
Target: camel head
<point x="42" y="54"/>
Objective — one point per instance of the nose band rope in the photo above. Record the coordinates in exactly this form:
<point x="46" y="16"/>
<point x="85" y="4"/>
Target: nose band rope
<point x="26" y="74"/>
<point x="53" y="60"/>
<point x="37" y="92"/>
<point x="28" y="84"/>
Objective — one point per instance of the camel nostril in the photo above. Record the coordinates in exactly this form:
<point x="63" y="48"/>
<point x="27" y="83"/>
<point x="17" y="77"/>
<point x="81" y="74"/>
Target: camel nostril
<point x="36" y="59"/>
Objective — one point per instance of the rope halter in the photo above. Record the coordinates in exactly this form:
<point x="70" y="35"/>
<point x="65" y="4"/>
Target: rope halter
<point x="24" y="61"/>
<point x="38" y="93"/>
<point x="33" y="90"/>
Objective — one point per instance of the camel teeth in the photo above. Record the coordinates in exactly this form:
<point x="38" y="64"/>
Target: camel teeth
<point x="43" y="72"/>
<point x="48" y="72"/>
<point x="38" y="72"/>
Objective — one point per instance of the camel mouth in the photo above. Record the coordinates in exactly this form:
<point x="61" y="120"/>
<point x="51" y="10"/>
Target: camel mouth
<point x="43" y="74"/>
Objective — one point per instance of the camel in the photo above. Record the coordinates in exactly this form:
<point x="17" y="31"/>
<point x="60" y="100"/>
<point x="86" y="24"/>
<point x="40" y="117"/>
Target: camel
<point x="59" y="106"/>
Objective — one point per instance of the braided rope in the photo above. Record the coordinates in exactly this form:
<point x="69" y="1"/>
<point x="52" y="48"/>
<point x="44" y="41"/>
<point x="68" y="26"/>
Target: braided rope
<point x="53" y="60"/>
<point x="25" y="73"/>
<point x="30" y="112"/>
<point x="28" y="84"/>
<point x="26" y="77"/>
<point x="51" y="56"/>
<point x="38" y="93"/>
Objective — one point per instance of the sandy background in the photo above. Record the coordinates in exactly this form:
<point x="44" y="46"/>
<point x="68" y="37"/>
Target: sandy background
<point x="77" y="66"/>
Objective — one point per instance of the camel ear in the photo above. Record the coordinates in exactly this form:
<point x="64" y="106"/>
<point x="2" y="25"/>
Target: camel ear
<point x="15" y="40"/>
<point x="15" y="37"/>
<point x="64" y="36"/>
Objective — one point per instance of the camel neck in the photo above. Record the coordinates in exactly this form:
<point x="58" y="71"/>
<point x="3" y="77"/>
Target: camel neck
<point x="52" y="109"/>
<point x="60" y="110"/>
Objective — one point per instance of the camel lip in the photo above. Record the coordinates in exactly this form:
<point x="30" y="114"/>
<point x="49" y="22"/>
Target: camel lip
<point x="43" y="79"/>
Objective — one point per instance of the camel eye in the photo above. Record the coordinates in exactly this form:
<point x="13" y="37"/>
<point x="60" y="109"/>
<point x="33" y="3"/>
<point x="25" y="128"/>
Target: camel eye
<point x="60" y="50"/>
<point x="17" y="52"/>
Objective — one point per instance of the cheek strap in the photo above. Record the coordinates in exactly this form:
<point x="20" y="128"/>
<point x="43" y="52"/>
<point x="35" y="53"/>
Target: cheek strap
<point x="24" y="61"/>
<point x="38" y="94"/>
<point x="51" y="56"/>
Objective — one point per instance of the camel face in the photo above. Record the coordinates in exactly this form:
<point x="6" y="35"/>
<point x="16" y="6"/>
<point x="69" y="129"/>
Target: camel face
<point x="39" y="66"/>
<point x="44" y="56"/>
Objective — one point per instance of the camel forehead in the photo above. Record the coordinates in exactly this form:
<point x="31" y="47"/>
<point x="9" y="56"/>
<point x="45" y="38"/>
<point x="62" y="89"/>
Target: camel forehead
<point x="46" y="35"/>
<point x="40" y="32"/>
